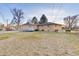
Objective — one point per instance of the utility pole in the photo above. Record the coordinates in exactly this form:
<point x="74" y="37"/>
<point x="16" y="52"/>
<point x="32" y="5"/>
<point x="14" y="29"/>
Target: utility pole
<point x="7" y="23"/>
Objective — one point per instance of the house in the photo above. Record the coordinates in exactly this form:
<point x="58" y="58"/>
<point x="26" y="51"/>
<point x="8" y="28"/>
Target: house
<point x="42" y="27"/>
<point x="1" y="26"/>
<point x="50" y="27"/>
<point x="28" y="26"/>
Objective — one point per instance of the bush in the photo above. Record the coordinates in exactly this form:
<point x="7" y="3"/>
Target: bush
<point x="56" y="30"/>
<point x="42" y="30"/>
<point x="0" y="29"/>
<point x="36" y="29"/>
<point x="68" y="30"/>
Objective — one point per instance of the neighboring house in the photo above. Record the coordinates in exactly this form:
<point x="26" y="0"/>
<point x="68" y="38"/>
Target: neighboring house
<point x="10" y="27"/>
<point x="1" y="26"/>
<point x="42" y="27"/>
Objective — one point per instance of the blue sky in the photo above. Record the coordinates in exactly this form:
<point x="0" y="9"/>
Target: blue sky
<point x="54" y="12"/>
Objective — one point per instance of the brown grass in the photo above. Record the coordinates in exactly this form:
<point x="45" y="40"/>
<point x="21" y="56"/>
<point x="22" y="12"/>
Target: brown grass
<point x="39" y="43"/>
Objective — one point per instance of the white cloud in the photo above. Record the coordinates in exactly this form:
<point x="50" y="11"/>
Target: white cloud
<point x="53" y="15"/>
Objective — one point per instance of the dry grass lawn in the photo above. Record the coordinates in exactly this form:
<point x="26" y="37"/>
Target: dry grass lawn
<point x="39" y="44"/>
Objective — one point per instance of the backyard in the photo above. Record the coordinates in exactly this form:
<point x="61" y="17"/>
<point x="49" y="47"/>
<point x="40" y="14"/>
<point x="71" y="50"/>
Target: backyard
<point x="39" y="44"/>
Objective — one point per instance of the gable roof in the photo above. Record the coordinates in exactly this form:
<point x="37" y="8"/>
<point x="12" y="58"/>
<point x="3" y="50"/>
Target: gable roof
<point x="49" y="23"/>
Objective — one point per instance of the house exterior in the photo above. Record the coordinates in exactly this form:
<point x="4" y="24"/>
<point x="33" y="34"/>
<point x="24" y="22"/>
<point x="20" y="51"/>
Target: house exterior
<point x="50" y="27"/>
<point x="1" y="26"/>
<point x="28" y="26"/>
<point x="42" y="27"/>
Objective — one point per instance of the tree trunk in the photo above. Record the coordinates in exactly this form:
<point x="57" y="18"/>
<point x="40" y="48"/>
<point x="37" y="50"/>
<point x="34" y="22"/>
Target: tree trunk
<point x="17" y="26"/>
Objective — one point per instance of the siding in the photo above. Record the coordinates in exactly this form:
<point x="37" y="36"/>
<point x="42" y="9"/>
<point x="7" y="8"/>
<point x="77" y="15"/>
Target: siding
<point x="50" y="27"/>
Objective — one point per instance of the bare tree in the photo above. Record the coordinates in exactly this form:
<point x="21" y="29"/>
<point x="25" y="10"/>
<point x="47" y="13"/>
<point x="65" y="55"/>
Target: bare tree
<point x="17" y="16"/>
<point x="70" y="22"/>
